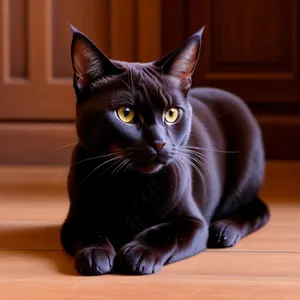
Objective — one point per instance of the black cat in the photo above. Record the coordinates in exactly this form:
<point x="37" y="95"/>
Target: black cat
<point x="161" y="172"/>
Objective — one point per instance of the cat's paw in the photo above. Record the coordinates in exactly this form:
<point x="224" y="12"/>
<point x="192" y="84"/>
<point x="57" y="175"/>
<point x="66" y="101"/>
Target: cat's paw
<point x="223" y="234"/>
<point x="137" y="259"/>
<point x="94" y="261"/>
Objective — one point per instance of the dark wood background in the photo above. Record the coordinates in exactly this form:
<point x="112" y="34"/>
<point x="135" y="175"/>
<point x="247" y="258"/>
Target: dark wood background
<point x="250" y="47"/>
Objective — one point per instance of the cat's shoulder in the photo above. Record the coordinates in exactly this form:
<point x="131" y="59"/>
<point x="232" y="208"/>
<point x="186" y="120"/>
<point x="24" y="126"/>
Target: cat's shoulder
<point x="214" y="98"/>
<point x="208" y="94"/>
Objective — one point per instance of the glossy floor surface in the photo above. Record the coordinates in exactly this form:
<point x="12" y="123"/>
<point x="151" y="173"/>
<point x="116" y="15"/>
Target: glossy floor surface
<point x="33" y="203"/>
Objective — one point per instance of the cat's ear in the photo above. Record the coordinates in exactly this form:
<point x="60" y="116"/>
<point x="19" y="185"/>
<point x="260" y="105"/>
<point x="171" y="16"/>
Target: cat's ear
<point x="89" y="63"/>
<point x="181" y="62"/>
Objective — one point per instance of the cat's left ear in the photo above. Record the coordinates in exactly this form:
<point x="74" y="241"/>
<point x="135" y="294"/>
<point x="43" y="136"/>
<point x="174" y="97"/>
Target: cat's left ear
<point x="181" y="62"/>
<point x="89" y="63"/>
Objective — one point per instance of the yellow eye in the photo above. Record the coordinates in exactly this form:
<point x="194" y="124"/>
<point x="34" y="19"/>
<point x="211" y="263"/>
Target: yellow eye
<point x="172" y="115"/>
<point x="125" y="114"/>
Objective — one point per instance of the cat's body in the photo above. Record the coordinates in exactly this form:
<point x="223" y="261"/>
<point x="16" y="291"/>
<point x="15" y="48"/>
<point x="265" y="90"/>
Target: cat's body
<point x="134" y="209"/>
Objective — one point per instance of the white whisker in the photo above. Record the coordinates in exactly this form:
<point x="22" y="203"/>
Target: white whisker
<point x="85" y="160"/>
<point x="68" y="145"/>
<point x="173" y="166"/>
<point x="200" y="159"/>
<point x="106" y="162"/>
<point x="119" y="167"/>
<point x="111" y="166"/>
<point x="129" y="166"/>
<point x="195" y="167"/>
<point x="207" y="149"/>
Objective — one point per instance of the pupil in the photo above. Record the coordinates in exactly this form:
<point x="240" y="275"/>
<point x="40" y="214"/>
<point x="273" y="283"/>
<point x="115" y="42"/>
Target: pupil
<point x="171" y="113"/>
<point x="126" y="112"/>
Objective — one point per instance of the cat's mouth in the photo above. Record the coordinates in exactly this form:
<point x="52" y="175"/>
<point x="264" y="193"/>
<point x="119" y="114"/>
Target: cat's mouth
<point x="149" y="168"/>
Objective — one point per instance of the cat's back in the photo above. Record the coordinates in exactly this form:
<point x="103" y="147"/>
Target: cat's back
<point x="224" y="125"/>
<point x="219" y="102"/>
<point x="218" y="108"/>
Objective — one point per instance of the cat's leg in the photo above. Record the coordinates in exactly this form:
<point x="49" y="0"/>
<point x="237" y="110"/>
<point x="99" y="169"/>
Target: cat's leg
<point x="245" y="220"/>
<point x="162" y="244"/>
<point x="94" y="254"/>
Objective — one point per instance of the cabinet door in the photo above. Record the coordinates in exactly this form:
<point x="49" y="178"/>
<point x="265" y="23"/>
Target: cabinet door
<point x="250" y="48"/>
<point x="37" y="100"/>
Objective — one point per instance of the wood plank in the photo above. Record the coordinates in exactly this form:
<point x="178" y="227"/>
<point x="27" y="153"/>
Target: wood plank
<point x="51" y="276"/>
<point x="238" y="264"/>
<point x="151" y="288"/>
<point x="36" y="176"/>
<point x="228" y="264"/>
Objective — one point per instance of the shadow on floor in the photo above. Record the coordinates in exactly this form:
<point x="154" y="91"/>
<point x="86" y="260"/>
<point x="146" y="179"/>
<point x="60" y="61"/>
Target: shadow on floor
<point x="41" y="242"/>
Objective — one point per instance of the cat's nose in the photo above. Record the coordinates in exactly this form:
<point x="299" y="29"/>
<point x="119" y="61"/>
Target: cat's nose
<point x="158" y="145"/>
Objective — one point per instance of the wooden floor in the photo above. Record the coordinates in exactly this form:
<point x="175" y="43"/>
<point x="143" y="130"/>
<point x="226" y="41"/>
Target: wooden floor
<point x="265" y="265"/>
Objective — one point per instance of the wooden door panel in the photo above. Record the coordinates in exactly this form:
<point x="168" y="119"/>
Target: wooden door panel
<point x="33" y="93"/>
<point x="36" y="81"/>
<point x="17" y="65"/>
<point x="252" y="48"/>
<point x="247" y="35"/>
<point x="248" y="47"/>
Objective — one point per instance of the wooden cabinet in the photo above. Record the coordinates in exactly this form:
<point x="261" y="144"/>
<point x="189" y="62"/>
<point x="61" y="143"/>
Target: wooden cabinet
<point x="250" y="47"/>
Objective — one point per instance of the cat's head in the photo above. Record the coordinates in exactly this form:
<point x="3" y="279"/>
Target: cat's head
<point x="136" y="111"/>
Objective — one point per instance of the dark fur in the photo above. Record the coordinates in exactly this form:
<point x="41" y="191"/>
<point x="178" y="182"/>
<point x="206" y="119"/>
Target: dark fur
<point x="136" y="218"/>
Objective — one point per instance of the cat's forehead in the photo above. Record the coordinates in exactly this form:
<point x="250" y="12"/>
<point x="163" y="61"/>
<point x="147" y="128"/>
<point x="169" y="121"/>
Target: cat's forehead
<point x="143" y="74"/>
<point x="142" y="84"/>
<point x="143" y="95"/>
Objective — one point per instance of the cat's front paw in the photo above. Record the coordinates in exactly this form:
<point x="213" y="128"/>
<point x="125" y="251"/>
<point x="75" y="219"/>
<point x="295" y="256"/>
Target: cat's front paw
<point x="94" y="261"/>
<point x="223" y="234"/>
<point x="136" y="259"/>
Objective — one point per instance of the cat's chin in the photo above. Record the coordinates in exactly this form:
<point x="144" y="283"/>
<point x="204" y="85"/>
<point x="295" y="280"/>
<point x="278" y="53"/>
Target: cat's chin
<point x="148" y="169"/>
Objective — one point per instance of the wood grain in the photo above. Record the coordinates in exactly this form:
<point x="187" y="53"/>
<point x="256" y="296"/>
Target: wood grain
<point x="148" y="30"/>
<point x="33" y="265"/>
<point x="152" y="287"/>
<point x="36" y="143"/>
<point x="90" y="17"/>
<point x="123" y="30"/>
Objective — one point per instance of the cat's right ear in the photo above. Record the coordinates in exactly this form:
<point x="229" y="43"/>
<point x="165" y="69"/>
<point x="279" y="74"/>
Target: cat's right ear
<point x="89" y="63"/>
